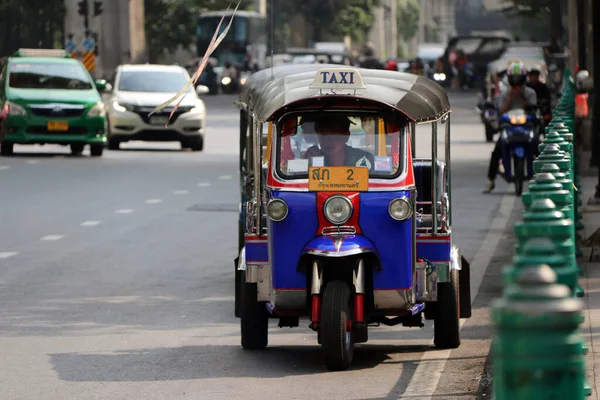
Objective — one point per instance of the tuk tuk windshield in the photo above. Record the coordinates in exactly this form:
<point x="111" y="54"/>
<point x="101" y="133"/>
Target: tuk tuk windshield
<point x="340" y="139"/>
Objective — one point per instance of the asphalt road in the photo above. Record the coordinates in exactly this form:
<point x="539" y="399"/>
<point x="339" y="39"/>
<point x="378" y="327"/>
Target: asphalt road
<point x="115" y="280"/>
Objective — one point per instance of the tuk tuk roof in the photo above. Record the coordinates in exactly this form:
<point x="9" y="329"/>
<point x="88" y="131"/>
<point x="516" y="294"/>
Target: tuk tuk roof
<point x="419" y="98"/>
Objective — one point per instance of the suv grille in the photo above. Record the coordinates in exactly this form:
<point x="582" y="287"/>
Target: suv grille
<point x="165" y="112"/>
<point x="56" y="110"/>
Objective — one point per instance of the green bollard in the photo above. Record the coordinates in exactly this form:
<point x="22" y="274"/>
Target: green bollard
<point x="537" y="348"/>
<point x="554" y="138"/>
<point x="553" y="155"/>
<point x="544" y="220"/>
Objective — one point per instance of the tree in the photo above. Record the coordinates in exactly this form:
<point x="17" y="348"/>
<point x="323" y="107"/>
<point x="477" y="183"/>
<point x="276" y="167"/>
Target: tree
<point x="549" y="11"/>
<point x="408" y="16"/>
<point x="170" y="23"/>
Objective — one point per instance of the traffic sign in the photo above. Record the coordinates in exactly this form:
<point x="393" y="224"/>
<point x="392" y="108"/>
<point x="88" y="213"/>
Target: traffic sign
<point x="89" y="61"/>
<point x="70" y="47"/>
<point x="88" y="45"/>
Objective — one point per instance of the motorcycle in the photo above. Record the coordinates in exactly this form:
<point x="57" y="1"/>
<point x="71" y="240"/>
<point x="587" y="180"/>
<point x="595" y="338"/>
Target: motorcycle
<point x="518" y="135"/>
<point x="488" y="113"/>
<point x="230" y="82"/>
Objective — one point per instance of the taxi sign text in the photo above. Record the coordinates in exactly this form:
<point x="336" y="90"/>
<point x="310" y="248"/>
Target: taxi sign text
<point x="337" y="79"/>
<point x="338" y="179"/>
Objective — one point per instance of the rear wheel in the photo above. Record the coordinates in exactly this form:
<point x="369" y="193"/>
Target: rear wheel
<point x="336" y="326"/>
<point x="489" y="134"/>
<point x="446" y="334"/>
<point x="519" y="175"/>
<point x="6" y="149"/>
<point x="96" y="150"/>
<point x="77" y="148"/>
<point x="255" y="319"/>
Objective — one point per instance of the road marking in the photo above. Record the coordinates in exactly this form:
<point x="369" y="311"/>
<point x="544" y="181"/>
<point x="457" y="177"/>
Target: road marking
<point x="32" y="162"/>
<point x="153" y="201"/>
<point x="124" y="211"/>
<point x="7" y="254"/>
<point x="203" y="184"/>
<point x="224" y="177"/>
<point x="432" y="364"/>
<point x="90" y="223"/>
<point x="52" y="237"/>
<point x="4" y="167"/>
<point x="180" y="192"/>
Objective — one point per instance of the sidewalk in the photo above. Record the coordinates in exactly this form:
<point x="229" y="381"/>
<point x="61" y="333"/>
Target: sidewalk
<point x="590" y="329"/>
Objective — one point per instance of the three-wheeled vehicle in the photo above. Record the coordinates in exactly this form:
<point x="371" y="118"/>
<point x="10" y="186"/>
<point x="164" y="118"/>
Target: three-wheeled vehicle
<point x="339" y="223"/>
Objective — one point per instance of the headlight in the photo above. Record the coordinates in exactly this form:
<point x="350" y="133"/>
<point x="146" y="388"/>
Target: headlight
<point x="518" y="119"/>
<point x="243" y="81"/>
<point x="121" y="107"/>
<point x="400" y="208"/>
<point x="97" y="110"/>
<point x="277" y="210"/>
<point x="338" y="209"/>
<point x="15" y="109"/>
<point x="226" y="80"/>
<point x="439" y="77"/>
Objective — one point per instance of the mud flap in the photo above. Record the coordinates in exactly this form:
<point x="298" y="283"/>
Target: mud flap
<point x="464" y="275"/>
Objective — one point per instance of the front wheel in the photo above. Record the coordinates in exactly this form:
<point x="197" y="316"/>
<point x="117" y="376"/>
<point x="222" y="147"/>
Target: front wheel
<point x="6" y="149"/>
<point x="519" y="175"/>
<point x="255" y="319"/>
<point x="96" y="150"/>
<point x="77" y="148"/>
<point x="446" y="333"/>
<point x="336" y="326"/>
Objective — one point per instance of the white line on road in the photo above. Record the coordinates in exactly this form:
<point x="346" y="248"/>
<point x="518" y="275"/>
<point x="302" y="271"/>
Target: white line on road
<point x="124" y="211"/>
<point x="432" y="364"/>
<point x="90" y="223"/>
<point x="32" y="162"/>
<point x="224" y="177"/>
<point x="4" y="167"/>
<point x="203" y="184"/>
<point x="180" y="192"/>
<point x="153" y="201"/>
<point x="52" y="237"/>
<point x="7" y="254"/>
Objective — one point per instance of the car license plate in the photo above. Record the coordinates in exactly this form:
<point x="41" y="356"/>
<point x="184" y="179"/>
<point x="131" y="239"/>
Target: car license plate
<point x="159" y="120"/>
<point x="60" y="126"/>
<point x="338" y="179"/>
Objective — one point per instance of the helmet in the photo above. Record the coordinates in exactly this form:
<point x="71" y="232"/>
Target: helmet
<point x="516" y="73"/>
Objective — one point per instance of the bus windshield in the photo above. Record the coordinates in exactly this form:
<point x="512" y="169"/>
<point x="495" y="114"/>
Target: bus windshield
<point x="339" y="139"/>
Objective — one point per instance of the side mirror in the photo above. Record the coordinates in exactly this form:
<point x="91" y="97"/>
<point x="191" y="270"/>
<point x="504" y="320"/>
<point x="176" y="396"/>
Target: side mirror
<point x="102" y="85"/>
<point x="201" y="89"/>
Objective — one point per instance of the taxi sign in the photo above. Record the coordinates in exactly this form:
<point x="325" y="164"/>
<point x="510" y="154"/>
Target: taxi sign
<point x="337" y="79"/>
<point x="41" y="53"/>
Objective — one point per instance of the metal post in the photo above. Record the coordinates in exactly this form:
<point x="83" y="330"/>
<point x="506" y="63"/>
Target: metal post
<point x="413" y="139"/>
<point x="448" y="172"/>
<point x="596" y="109"/>
<point x="581" y="35"/>
<point x="257" y="166"/>
<point x="434" y="187"/>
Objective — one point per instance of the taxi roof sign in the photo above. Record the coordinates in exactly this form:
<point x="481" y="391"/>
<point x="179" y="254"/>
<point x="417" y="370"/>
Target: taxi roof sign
<point x="337" y="79"/>
<point x="41" y="53"/>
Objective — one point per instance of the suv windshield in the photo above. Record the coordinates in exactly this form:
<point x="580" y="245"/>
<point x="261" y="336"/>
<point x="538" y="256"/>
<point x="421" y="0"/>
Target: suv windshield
<point x="339" y="140"/>
<point x="153" y="81"/>
<point x="48" y="76"/>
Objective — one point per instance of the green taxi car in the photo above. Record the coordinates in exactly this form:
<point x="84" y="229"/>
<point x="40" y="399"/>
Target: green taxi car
<point x="48" y="97"/>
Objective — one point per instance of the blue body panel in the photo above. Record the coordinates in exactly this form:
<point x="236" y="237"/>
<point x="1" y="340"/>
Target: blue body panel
<point x="392" y="239"/>
<point x="326" y="244"/>
<point x="257" y="252"/>
<point x="434" y="251"/>
<point x="289" y="237"/>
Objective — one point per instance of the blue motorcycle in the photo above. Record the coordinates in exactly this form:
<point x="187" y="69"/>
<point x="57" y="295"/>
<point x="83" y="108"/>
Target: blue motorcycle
<point x="518" y="130"/>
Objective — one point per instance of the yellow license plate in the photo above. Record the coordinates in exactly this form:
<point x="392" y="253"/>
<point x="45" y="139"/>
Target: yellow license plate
<point x="338" y="179"/>
<point x="58" y="126"/>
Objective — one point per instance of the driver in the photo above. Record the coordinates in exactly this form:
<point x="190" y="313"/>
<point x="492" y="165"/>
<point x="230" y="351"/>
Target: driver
<point x="334" y="132"/>
<point x="517" y="95"/>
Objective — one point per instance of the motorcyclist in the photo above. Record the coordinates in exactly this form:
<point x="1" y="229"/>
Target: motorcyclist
<point x="541" y="89"/>
<point x="517" y="95"/>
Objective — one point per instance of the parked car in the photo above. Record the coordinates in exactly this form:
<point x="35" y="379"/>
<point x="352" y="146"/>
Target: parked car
<point x="48" y="97"/>
<point x="138" y="89"/>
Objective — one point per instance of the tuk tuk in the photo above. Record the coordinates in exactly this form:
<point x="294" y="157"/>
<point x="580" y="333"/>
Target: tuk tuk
<point x="339" y="223"/>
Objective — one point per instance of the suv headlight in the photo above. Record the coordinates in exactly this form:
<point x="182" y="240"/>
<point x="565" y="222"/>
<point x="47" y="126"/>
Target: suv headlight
<point x="97" y="110"/>
<point x="338" y="209"/>
<point x="121" y="107"/>
<point x="14" y="109"/>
